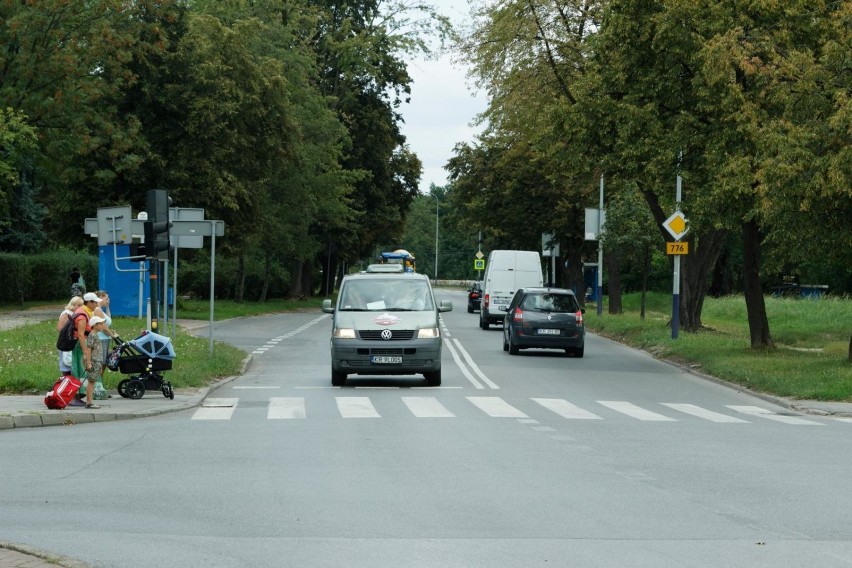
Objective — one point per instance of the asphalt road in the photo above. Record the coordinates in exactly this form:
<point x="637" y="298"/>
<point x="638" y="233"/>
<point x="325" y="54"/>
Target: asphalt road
<point x="539" y="459"/>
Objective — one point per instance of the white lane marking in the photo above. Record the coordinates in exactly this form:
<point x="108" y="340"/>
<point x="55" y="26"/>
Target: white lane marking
<point x="496" y="407"/>
<point x="843" y="419"/>
<point x="248" y="387"/>
<point x="216" y="409"/>
<point x="566" y="410"/>
<point x="275" y="340"/>
<point x="704" y="413"/>
<point x="473" y="366"/>
<point x="426" y="407"/>
<point x="634" y="411"/>
<point x="356" y="407"/>
<point x="285" y="407"/>
<point x="462" y="366"/>
<point x="769" y="415"/>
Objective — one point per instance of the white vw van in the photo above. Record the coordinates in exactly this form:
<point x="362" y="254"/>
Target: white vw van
<point x="506" y="271"/>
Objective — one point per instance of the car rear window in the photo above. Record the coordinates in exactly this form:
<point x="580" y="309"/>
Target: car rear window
<point x="558" y="303"/>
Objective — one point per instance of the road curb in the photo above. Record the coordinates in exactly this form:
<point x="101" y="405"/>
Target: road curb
<point x="49" y="559"/>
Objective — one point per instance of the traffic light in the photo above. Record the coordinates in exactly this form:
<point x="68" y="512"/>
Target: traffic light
<point x="157" y="240"/>
<point x="138" y="252"/>
<point x="157" y="225"/>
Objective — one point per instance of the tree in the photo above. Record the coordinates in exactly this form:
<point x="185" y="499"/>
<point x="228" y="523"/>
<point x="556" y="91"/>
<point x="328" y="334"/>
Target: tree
<point x="630" y="232"/>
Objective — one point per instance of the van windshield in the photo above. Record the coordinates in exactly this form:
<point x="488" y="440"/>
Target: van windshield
<point x="392" y="294"/>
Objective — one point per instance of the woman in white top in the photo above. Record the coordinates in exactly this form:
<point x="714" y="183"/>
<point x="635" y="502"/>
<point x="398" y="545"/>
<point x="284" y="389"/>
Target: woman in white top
<point x="65" y="356"/>
<point x="105" y="335"/>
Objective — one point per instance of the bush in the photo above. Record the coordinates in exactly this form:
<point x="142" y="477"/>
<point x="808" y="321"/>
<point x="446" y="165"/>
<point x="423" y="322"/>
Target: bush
<point x="43" y="276"/>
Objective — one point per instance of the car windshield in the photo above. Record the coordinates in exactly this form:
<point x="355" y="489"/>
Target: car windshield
<point x="396" y="294"/>
<point x="558" y="303"/>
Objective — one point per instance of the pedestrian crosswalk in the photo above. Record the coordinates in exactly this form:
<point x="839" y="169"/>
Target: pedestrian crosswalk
<point x="363" y="407"/>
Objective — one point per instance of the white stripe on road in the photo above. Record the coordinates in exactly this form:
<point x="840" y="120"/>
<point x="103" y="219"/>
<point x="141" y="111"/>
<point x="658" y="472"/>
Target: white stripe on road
<point x="496" y="407"/>
<point x="216" y="409"/>
<point x="566" y="410"/>
<point x="461" y="366"/>
<point x="769" y="415"/>
<point x="286" y="408"/>
<point x="704" y="413"/>
<point x="356" y="407"/>
<point x="634" y="411"/>
<point x="426" y="407"/>
<point x="473" y="366"/>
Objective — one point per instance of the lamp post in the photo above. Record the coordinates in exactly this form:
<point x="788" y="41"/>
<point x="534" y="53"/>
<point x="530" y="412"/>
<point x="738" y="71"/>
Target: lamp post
<point x="436" y="234"/>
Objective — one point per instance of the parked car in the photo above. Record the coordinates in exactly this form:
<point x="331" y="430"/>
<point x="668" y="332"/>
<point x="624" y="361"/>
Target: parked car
<point x="544" y="318"/>
<point x="474" y="297"/>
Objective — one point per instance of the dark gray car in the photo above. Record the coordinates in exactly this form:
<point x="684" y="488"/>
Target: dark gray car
<point x="544" y="318"/>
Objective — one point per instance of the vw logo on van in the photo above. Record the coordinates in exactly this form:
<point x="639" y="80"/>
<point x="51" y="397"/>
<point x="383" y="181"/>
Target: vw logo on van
<point x="387" y="334"/>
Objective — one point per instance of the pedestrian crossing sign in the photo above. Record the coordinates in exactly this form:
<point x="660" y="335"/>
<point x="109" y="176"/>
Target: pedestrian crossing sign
<point x="479" y="264"/>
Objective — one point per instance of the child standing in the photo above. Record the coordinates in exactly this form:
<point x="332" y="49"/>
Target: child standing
<point x="94" y="360"/>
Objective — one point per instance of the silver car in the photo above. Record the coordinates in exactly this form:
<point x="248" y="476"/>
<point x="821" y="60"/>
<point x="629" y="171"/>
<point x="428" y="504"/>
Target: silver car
<point x="385" y="323"/>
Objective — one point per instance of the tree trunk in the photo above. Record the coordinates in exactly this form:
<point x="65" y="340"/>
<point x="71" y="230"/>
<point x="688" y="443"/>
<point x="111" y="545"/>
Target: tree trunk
<point x="646" y="262"/>
<point x="267" y="272"/>
<point x="758" y="324"/>
<point x="241" y="278"/>
<point x="694" y="268"/>
<point x="296" y="280"/>
<point x="573" y="272"/>
<point x="613" y="270"/>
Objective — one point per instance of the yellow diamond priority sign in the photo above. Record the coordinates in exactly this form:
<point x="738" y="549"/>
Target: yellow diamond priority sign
<point x="676" y="225"/>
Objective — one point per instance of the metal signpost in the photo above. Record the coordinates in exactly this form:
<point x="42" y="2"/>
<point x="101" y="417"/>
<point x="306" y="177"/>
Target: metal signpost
<point x="595" y="221"/>
<point x="676" y="226"/>
<point x="185" y="228"/>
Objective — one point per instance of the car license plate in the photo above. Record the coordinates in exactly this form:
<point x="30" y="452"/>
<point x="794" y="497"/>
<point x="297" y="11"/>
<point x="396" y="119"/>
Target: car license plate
<point x="384" y="359"/>
<point x="548" y="332"/>
<point x="500" y="302"/>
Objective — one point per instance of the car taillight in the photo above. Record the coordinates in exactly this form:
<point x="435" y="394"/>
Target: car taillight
<point x="486" y="301"/>
<point x="519" y="315"/>
<point x="579" y="317"/>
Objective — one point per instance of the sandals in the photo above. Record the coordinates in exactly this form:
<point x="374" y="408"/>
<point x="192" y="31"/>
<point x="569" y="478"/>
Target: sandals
<point x="92" y="406"/>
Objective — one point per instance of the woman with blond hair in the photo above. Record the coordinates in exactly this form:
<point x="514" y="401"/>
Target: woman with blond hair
<point x="65" y="356"/>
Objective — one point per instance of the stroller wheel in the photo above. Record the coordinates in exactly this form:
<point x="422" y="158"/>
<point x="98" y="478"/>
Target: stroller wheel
<point x="122" y="388"/>
<point x="135" y="389"/>
<point x="168" y="391"/>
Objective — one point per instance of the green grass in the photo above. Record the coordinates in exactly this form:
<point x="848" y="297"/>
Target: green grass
<point x="810" y="360"/>
<point x="29" y="361"/>
<point x="227" y="309"/>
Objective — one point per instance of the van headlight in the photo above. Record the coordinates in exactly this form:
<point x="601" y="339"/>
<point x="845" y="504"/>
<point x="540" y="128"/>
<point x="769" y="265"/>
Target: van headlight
<point x="428" y="333"/>
<point x="344" y="333"/>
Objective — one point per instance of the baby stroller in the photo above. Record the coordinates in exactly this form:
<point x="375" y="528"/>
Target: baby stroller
<point x="143" y="359"/>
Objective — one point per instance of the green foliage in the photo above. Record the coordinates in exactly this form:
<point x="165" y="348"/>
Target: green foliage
<point x="43" y="276"/>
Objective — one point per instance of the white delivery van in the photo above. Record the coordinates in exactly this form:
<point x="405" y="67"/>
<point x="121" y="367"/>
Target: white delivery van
<point x="505" y="272"/>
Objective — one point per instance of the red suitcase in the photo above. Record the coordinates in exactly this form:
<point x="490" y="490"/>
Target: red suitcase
<point x="64" y="390"/>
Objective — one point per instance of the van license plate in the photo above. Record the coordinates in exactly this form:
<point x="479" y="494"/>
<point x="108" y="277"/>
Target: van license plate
<point x="385" y="359"/>
<point x="548" y="332"/>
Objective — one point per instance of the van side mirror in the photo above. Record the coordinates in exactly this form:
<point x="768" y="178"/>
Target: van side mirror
<point x="445" y="306"/>
<point x="327" y="307"/>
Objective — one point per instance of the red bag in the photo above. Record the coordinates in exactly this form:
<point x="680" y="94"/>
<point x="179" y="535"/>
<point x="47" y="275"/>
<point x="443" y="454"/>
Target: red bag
<point x="64" y="390"/>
